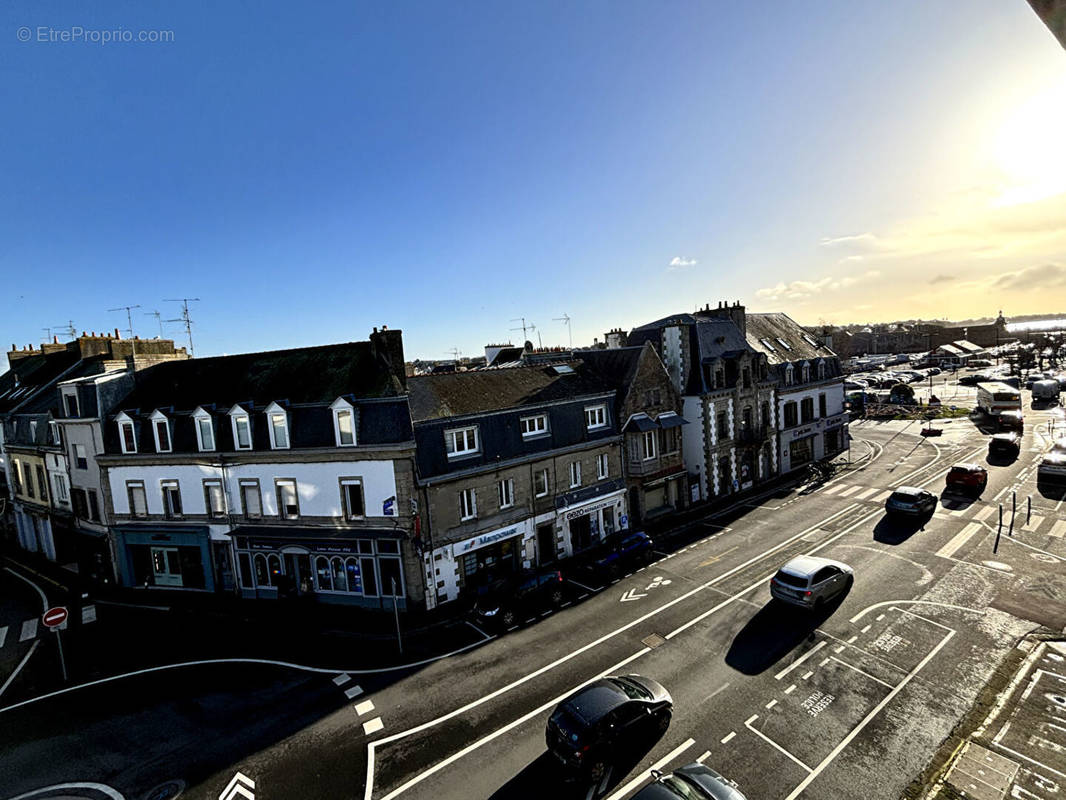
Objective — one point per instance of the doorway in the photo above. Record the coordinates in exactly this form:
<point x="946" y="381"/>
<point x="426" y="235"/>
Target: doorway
<point x="166" y="567"/>
<point x="546" y="542"/>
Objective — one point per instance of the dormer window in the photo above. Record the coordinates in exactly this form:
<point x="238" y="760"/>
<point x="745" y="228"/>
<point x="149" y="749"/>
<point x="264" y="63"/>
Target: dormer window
<point x="820" y="367"/>
<point x="805" y="372"/>
<point x="279" y="427"/>
<point x="242" y="428"/>
<point x="205" y="430"/>
<point x="70" y="402"/>
<point x="127" y="436"/>
<point x="343" y="423"/>
<point x="789" y="374"/>
<point x="161" y="431"/>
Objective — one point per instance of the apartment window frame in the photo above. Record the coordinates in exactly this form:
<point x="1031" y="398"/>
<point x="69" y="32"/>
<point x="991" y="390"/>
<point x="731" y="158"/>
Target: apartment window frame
<point x="533" y="426"/>
<point x="451" y="441"/>
<point x="722" y="424"/>
<point x="127" y="433"/>
<point x="81" y="457"/>
<point x="33" y="431"/>
<point x="805" y="372"/>
<point x="575" y="474"/>
<point x="823" y="405"/>
<point x="670" y="441"/>
<point x="280" y="485"/>
<point x="790" y="375"/>
<point x="170" y="490"/>
<point x="238" y="416"/>
<point x="69" y="398"/>
<point x="649" y="445"/>
<point x="94" y="505"/>
<point x="202" y="418"/>
<point x="55" y="433"/>
<point x="603" y="466"/>
<point x="244" y="485"/>
<point x="538" y="477"/>
<point x="132" y="490"/>
<point x="791" y="414"/>
<point x="278" y="421"/>
<point x="467" y="504"/>
<point x="596" y="417"/>
<point x="505" y="493"/>
<point x="342" y="409"/>
<point x="160" y="422"/>
<point x="807" y="410"/>
<point x="42" y="484"/>
<point x="60" y="490"/>
<point x="211" y="484"/>
<point x="346" y="488"/>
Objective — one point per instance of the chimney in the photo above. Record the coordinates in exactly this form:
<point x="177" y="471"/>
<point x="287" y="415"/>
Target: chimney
<point x="388" y="345"/>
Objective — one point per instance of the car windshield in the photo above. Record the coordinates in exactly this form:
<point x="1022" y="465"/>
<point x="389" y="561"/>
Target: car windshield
<point x="791" y="580"/>
<point x="682" y="788"/>
<point x="902" y="497"/>
<point x="631" y="688"/>
<point x="572" y="730"/>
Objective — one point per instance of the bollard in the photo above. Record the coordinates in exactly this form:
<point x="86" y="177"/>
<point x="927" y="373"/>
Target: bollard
<point x="995" y="544"/>
<point x="1028" y="509"/>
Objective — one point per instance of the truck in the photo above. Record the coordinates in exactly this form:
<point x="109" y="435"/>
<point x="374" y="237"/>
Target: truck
<point x="1046" y="391"/>
<point x="995" y="397"/>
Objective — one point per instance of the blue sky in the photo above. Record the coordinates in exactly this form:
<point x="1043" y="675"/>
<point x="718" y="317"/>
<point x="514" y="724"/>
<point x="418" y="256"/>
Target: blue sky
<point x="312" y="171"/>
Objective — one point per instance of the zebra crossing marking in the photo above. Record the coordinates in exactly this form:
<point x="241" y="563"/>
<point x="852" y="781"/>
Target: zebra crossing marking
<point x="850" y="491"/>
<point x="984" y="513"/>
<point x="1058" y="529"/>
<point x="865" y="494"/>
<point x="29" y="629"/>
<point x="836" y="487"/>
<point x="958" y="540"/>
<point x="1034" y="522"/>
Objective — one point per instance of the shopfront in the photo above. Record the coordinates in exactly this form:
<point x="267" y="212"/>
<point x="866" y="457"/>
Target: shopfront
<point x="164" y="558"/>
<point x="463" y="567"/>
<point x="586" y="524"/>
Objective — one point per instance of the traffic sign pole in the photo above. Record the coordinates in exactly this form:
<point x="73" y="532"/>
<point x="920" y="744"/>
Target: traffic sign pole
<point x="54" y="618"/>
<point x="62" y="661"/>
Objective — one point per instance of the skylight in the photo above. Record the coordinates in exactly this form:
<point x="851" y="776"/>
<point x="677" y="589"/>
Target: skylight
<point x="563" y="369"/>
<point x="784" y="344"/>
<point x="766" y="343"/>
<point x="810" y="340"/>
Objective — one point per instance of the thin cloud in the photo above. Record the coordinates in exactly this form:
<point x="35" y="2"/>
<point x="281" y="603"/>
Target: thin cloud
<point x="680" y="262"/>
<point x="944" y="279"/>
<point x="866" y="239"/>
<point x="1043" y="276"/>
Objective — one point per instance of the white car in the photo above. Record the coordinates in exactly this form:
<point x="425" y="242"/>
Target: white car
<point x="810" y="582"/>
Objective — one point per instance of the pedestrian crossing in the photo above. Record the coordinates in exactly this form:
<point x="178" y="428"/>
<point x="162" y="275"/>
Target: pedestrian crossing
<point x="20" y="632"/>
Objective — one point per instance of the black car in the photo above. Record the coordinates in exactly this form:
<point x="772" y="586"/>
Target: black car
<point x="622" y="551"/>
<point x="503" y="601"/>
<point x="1005" y="445"/>
<point x="691" y="782"/>
<point x="585" y="730"/>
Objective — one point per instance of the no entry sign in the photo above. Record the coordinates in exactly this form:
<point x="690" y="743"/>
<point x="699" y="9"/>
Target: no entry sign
<point x="54" y="617"/>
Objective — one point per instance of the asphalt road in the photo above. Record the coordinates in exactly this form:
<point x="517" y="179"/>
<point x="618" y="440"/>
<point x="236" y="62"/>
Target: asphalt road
<point x="785" y="704"/>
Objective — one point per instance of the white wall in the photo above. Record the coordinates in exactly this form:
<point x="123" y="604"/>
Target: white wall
<point x="693" y="447"/>
<point x="317" y="485"/>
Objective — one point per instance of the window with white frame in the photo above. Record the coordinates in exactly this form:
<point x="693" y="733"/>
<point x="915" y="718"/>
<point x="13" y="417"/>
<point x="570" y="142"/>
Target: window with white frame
<point x="352" y="498"/>
<point x="534" y="426"/>
<point x="790" y="374"/>
<point x="805" y="372"/>
<point x="161" y="431"/>
<point x="540" y="483"/>
<point x="343" y="423"/>
<point x="33" y="431"/>
<point x="288" y="499"/>
<point x="279" y="427"/>
<point x="461" y="441"/>
<point x="81" y="458"/>
<point x="171" y="498"/>
<point x="205" y="430"/>
<point x="55" y="433"/>
<point x="137" y="498"/>
<point x="603" y="469"/>
<point x="506" y="492"/>
<point x="575" y="474"/>
<point x="214" y="500"/>
<point x="467" y="504"/>
<point x="820" y="367"/>
<point x="251" y="499"/>
<point x="596" y="416"/>
<point x="70" y="403"/>
<point x="242" y="429"/>
<point x="649" y="444"/>
<point x="126" y="434"/>
<point x="59" y="489"/>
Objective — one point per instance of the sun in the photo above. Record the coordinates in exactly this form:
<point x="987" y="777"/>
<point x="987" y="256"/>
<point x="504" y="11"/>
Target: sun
<point x="1029" y="149"/>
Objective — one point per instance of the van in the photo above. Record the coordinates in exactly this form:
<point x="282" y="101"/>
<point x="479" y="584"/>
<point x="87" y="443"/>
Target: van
<point x="1045" y="391"/>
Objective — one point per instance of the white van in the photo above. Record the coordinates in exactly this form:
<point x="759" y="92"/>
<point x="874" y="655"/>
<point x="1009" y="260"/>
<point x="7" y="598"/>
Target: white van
<point x="994" y="397"/>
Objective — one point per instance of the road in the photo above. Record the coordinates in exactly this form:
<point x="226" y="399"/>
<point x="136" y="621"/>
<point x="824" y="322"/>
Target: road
<point x="787" y="705"/>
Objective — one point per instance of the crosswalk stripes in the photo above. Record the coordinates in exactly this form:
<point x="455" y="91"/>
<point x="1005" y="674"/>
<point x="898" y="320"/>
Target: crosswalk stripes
<point x="353" y="691"/>
<point x="984" y="513"/>
<point x="958" y="540"/>
<point x="29" y="629"/>
<point x="850" y="491"/>
<point x="882" y="496"/>
<point x="1033" y="523"/>
<point x="836" y="487"/>
<point x="865" y="494"/>
<point x="1058" y="529"/>
<point x="342" y="679"/>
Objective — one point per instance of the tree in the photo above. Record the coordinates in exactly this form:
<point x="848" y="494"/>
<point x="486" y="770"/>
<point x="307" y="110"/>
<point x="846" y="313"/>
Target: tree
<point x="901" y="393"/>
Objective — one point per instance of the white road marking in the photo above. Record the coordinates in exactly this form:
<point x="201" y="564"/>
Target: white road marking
<point x="102" y="788"/>
<point x="353" y="691"/>
<point x="364" y="708"/>
<point x="864" y="495"/>
<point x="850" y="491"/>
<point x="879" y="617"/>
<point x="703" y="756"/>
<point x="852" y="639"/>
<point x="862" y="672"/>
<point x="892" y="603"/>
<point x="373" y="726"/>
<point x="833" y="489"/>
<point x="1033" y="523"/>
<point x="588" y="589"/>
<point x="958" y="540"/>
<point x="799" y="660"/>
<point x="729" y="736"/>
<point x="1058" y="528"/>
<point x="823" y="662"/>
<point x="790" y="689"/>
<point x="484" y="635"/>
<point x="771" y="742"/>
<point x="39" y="590"/>
<point x="21" y="664"/>
<point x="882" y="496"/>
<point x="29" y="629"/>
<point x="771" y="704"/>
<point x="838" y="649"/>
<point x="662" y="762"/>
<point x="342" y="679"/>
<point x="3" y="635"/>
<point x="807" y="674"/>
<point x="865" y="629"/>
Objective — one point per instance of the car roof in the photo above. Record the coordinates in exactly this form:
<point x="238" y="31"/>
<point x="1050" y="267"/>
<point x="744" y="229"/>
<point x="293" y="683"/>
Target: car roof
<point x="911" y="490"/>
<point x="591" y="703"/>
<point x="1010" y="435"/>
<point x="805" y="566"/>
<point x="969" y="467"/>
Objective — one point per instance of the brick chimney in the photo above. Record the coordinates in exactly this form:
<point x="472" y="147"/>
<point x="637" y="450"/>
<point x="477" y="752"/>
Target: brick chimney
<point x="388" y="345"/>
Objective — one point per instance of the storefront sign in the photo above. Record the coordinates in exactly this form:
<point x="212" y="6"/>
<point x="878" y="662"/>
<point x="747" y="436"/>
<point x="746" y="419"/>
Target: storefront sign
<point x="590" y="509"/>
<point x="488" y="538"/>
<point x="318" y="547"/>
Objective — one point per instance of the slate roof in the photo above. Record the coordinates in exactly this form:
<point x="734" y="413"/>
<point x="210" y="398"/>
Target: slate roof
<point x="802" y="346"/>
<point x="616" y="366"/>
<point x="30" y="375"/>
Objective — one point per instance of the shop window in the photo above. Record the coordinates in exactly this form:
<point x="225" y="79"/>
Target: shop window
<point x="461" y="441"/>
<point x="213" y="499"/>
<point x="340" y="576"/>
<point x="369" y="576"/>
<point x="137" y="498"/>
<point x="540" y="482"/>
<point x="288" y="499"/>
<point x="251" y="500"/>
<point x="351" y="568"/>
<point x="352" y="498"/>
<point x="262" y="574"/>
<point x="505" y="489"/>
<point x="602" y="466"/>
<point x="171" y="499"/>
<point x="244" y="564"/>
<point x="323" y="574"/>
<point x="391" y="577"/>
<point x="389" y="546"/>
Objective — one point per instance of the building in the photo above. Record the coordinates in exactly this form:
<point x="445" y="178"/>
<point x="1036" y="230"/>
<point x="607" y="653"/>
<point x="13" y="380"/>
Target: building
<point x="517" y="467"/>
<point x="811" y="421"/>
<point x="270" y="475"/>
<point x="728" y="395"/>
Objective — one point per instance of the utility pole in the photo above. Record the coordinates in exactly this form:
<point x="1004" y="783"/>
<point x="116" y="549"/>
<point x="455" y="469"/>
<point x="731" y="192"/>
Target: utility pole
<point x="184" y="318"/>
<point x="565" y="319"/>
<point x="158" y="318"/>
<point x="129" y="319"/>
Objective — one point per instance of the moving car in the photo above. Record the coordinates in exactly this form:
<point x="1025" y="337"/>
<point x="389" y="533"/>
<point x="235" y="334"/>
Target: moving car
<point x="623" y="550"/>
<point x="585" y="729"/>
<point x="1052" y="468"/>
<point x="1011" y="421"/>
<point x="809" y="581"/>
<point x="690" y="782"/>
<point x="504" y="601"/>
<point x="1046" y="390"/>
<point x="971" y="477"/>
<point x="910" y="501"/>
<point x="1005" y="445"/>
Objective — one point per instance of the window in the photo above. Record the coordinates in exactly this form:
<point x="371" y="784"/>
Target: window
<point x="745" y="420"/>
<point x="161" y="428"/>
<point x="790" y="415"/>
<point x="746" y="377"/>
<point x="59" y="489"/>
<point x="534" y="426"/>
<point x="352" y="499"/>
<point x="807" y="409"/>
<point x="343" y="423"/>
<point x="821" y="405"/>
<point x="467" y="504"/>
<point x="784" y="344"/>
<point x="723" y="425"/>
<point x="805" y="372"/>
<point x="27" y="478"/>
<point x="603" y="466"/>
<point x="127" y="436"/>
<point x="540" y="483"/>
<point x="719" y="379"/>
<point x="461" y="441"/>
<point x="596" y="417"/>
<point x="242" y="431"/>
<point x="214" y="501"/>
<point x="766" y="415"/>
<point x="33" y="431"/>
<point x="70" y="403"/>
<point x="279" y="427"/>
<point x="789" y="375"/>
<point x="649" y="445"/>
<point x="251" y="500"/>
<point x="288" y="501"/>
<point x="94" y="505"/>
<point x="671" y="440"/>
<point x="42" y="486"/>
<point x="55" y="434"/>
<point x="506" y="492"/>
<point x="575" y="474"/>
<point x="205" y="430"/>
<point x="820" y="369"/>
<point x="137" y="498"/>
<point x="16" y="476"/>
<point x="81" y="459"/>
<point x="77" y="501"/>
<point x="171" y="498"/>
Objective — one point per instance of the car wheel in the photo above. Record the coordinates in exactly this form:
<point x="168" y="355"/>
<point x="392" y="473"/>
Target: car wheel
<point x="597" y="769"/>
<point x="508" y="618"/>
<point x="662" y="719"/>
<point x="613" y="570"/>
<point x="819" y="604"/>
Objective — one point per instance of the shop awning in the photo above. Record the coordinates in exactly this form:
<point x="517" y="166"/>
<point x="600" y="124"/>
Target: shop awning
<point x="641" y="423"/>
<point x="672" y="421"/>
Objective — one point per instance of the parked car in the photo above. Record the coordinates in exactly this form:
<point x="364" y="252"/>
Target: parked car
<point x="585" y="729"/>
<point x="1005" y="445"/>
<point x="1010" y="421"/>
<point x="1052" y="468"/>
<point x="622" y="550"/>
<point x="968" y="477"/>
<point x="910" y="501"/>
<point x="810" y="581"/>
<point x="504" y="601"/>
<point x="690" y="782"/>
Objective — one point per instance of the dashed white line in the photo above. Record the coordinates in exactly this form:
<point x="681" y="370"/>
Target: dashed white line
<point x="852" y="639"/>
<point x="838" y="649"/>
<point x="729" y="736"/>
<point x="879" y="617"/>
<point x="866" y="628"/>
<point x="3" y="635"/>
<point x="799" y="660"/>
<point x="373" y="726"/>
<point x="823" y="662"/>
<point x="353" y="691"/>
<point x="807" y="674"/>
<point x="790" y="689"/>
<point x="771" y="704"/>
<point x="342" y="679"/>
<point x="703" y="757"/>
<point x="364" y="708"/>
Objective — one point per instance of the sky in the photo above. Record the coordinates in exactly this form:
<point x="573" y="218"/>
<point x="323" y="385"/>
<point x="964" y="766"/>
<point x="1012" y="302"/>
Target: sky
<point x="310" y="171"/>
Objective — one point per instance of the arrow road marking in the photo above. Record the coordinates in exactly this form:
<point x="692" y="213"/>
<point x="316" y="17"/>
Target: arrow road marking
<point x="236" y="786"/>
<point x="632" y="594"/>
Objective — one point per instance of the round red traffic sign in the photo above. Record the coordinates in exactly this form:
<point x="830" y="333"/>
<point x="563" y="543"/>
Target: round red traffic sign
<point x="54" y="617"/>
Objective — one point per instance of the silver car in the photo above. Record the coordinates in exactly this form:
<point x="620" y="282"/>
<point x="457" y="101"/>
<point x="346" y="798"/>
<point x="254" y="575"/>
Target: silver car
<point x="810" y="582"/>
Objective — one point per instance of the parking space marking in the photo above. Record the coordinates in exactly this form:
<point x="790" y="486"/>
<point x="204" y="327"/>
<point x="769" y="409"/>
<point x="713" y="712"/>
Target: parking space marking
<point x="879" y="617"/>
<point x="583" y="586"/>
<point x="29" y="629"/>
<point x="771" y="742"/>
<point x="958" y="540"/>
<point x="852" y="639"/>
<point x="865" y="629"/>
<point x="729" y="737"/>
<point x="658" y="765"/>
<point x="838" y="649"/>
<point x="790" y="689"/>
<point x="703" y="756"/>
<point x="862" y="672"/>
<point x="771" y="704"/>
<point x="807" y="674"/>
<point x="799" y="661"/>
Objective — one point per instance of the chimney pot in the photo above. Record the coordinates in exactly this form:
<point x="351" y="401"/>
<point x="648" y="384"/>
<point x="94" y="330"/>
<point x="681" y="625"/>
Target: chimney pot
<point x="83" y="333"/>
<point x="116" y="333"/>
<point x="55" y="339"/>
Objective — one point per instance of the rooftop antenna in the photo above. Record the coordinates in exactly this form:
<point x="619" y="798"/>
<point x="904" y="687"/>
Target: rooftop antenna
<point x="158" y="318"/>
<point x="455" y="353"/>
<point x="48" y="334"/>
<point x="565" y="319"/>
<point x="525" y="325"/>
<point x="68" y="329"/>
<point x="129" y="319"/>
<point x="184" y="318"/>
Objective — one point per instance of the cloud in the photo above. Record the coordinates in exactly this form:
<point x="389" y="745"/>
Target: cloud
<point x="680" y="262"/>
<point x="943" y="279"/>
<point x="864" y="239"/>
<point x="1043" y="276"/>
<point x="802" y="290"/>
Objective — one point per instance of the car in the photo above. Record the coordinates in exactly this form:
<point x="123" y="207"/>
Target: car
<point x="690" y="782"/>
<point x="972" y="477"/>
<point x="934" y="370"/>
<point x="810" y="581"/>
<point x="910" y="501"/>
<point x="587" y="728"/>
<point x="503" y="601"/>
<point x="1005" y="445"/>
<point x="970" y="380"/>
<point x="1052" y="468"/>
<point x="622" y="550"/>
<point x="1010" y="421"/>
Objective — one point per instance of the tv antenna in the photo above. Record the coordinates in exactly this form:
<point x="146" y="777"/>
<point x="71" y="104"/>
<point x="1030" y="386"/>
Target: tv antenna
<point x="158" y="318"/>
<point x="47" y="334"/>
<point x="525" y="325"/>
<point x="68" y="329"/>
<point x="565" y="319"/>
<point x="455" y="353"/>
<point x="184" y="318"/>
